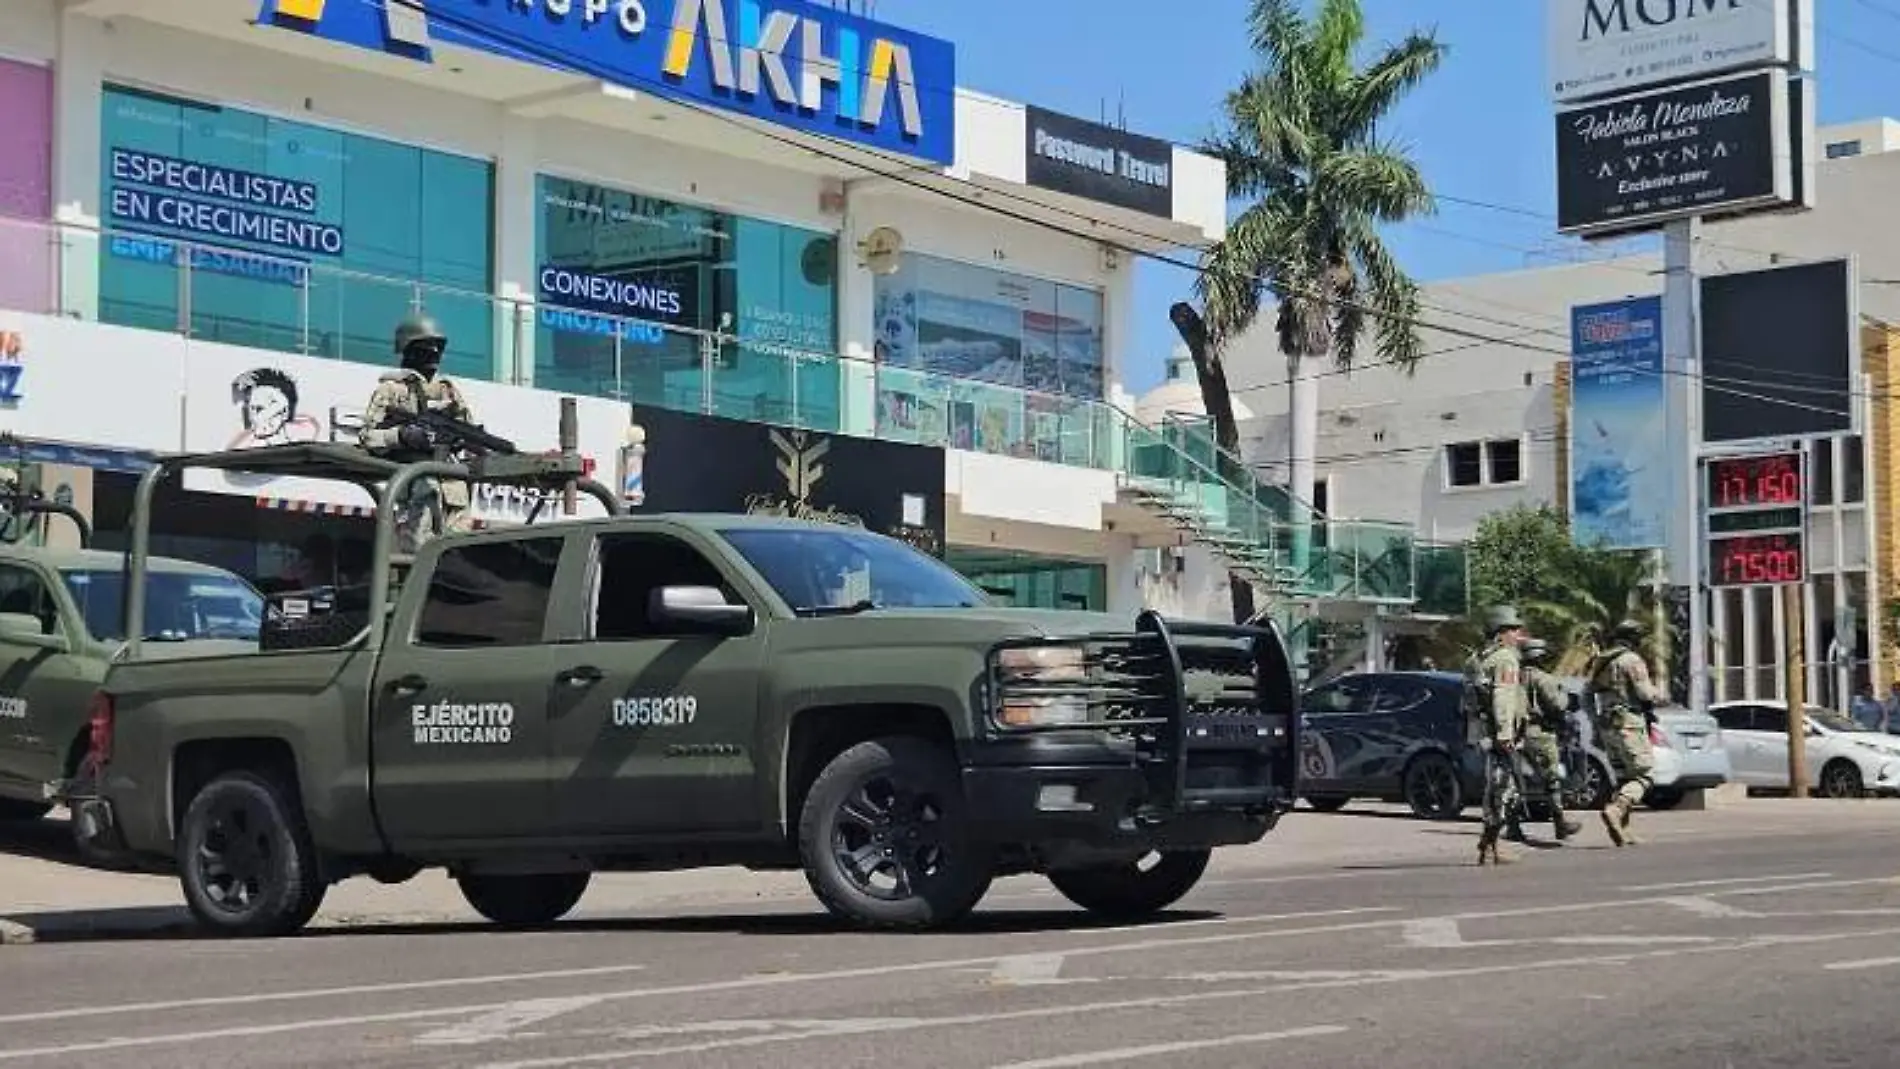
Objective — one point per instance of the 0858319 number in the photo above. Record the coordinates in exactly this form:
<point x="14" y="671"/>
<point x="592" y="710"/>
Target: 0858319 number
<point x="655" y="712"/>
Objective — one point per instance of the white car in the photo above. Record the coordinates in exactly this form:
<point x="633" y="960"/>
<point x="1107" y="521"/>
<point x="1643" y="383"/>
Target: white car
<point x="1845" y="760"/>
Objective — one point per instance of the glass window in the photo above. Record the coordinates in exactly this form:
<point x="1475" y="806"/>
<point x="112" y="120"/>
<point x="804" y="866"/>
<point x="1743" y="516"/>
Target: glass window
<point x="1822" y="457"/>
<point x="845" y="569"/>
<point x="23" y="593"/>
<point x="1854" y="469"/>
<point x="632" y="567"/>
<point x="490" y="594"/>
<point x="958" y="344"/>
<point x="304" y="239"/>
<point x="1769" y="718"/>
<point x="624" y="278"/>
<point x="1350" y="695"/>
<point x="1506" y="460"/>
<point x="1464" y="464"/>
<point x="178" y="606"/>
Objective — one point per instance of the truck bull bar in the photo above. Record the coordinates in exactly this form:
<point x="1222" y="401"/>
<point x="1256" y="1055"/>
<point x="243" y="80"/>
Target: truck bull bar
<point x="1211" y="710"/>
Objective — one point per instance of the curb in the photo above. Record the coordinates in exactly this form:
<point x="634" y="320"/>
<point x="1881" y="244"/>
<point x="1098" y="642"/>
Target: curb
<point x="80" y="926"/>
<point x="13" y="933"/>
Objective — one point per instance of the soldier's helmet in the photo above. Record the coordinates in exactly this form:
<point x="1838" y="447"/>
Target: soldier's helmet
<point x="1502" y="618"/>
<point x="418" y="334"/>
<point x="1627" y="631"/>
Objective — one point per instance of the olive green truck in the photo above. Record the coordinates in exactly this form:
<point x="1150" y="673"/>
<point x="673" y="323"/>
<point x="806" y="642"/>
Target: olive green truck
<point x="541" y="702"/>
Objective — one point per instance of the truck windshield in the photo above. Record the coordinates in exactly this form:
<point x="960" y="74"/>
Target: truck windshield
<point x="821" y="572"/>
<point x="178" y="607"/>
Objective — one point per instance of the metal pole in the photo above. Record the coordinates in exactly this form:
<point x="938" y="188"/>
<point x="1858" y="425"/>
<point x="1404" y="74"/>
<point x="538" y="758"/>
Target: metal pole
<point x="1682" y="366"/>
<point x="570" y="445"/>
<point x="1793" y="621"/>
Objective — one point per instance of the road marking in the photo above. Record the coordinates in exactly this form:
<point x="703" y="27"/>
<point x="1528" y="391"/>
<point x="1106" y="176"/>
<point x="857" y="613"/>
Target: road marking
<point x="501" y="1023"/>
<point x="321" y="992"/>
<point x="1687" y="884"/>
<point x="1704" y="906"/>
<point x="1198" y="998"/>
<point x="863" y="972"/>
<point x="1867" y="963"/>
<point x="1436" y="933"/>
<point x="1122" y="1054"/>
<point x="1293" y="974"/>
<point x="1026" y="970"/>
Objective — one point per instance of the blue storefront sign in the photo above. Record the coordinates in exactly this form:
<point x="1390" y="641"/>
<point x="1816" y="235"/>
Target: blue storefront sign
<point x="1619" y="488"/>
<point x="797" y="64"/>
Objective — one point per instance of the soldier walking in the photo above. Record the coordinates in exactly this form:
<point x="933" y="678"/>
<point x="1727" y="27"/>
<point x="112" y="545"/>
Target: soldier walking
<point x="1619" y="681"/>
<point x="419" y="385"/>
<point x="1550" y="707"/>
<point x="1495" y="697"/>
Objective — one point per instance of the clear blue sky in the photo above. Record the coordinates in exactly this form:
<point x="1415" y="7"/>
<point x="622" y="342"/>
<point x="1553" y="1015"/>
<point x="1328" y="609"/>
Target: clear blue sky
<point x="1480" y="128"/>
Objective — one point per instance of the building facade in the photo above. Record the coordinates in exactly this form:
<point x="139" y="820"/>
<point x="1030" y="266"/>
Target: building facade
<point x="1484" y="425"/>
<point x="214" y="212"/>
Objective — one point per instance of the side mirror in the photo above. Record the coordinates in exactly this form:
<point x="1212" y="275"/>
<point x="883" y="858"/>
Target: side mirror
<point x="699" y="607"/>
<point x="26" y="629"/>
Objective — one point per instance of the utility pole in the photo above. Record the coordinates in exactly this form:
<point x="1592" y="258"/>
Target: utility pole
<point x="1795" y="622"/>
<point x="1682" y="371"/>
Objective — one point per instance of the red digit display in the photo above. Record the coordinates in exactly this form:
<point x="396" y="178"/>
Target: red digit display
<point x="1746" y="482"/>
<point x="1757" y="560"/>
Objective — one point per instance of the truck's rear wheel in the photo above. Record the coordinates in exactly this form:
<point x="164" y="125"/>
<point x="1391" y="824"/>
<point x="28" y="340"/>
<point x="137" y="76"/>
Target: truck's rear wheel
<point x="885" y="837"/>
<point x="1130" y="890"/>
<point x="524" y="901"/>
<point x="246" y="860"/>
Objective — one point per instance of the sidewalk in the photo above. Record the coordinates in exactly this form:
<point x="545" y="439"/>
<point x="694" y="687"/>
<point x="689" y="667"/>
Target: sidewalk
<point x="44" y="898"/>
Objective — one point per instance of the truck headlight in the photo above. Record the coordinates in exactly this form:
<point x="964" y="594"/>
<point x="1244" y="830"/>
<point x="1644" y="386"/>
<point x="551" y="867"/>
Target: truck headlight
<point x="1033" y="681"/>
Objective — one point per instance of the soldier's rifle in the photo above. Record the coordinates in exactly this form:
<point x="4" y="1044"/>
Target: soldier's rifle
<point x="448" y="435"/>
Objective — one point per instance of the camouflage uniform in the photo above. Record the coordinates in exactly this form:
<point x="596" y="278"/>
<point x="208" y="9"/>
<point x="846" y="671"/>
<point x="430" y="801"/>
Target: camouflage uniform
<point x="1550" y="706"/>
<point x="1494" y="689"/>
<point x="1620" y="682"/>
<point x="409" y="391"/>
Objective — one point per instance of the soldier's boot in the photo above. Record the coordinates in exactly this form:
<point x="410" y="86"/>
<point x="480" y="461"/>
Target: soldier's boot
<point x="1614" y="816"/>
<point x="1563" y="826"/>
<point x="1514" y="831"/>
<point x="1629" y="834"/>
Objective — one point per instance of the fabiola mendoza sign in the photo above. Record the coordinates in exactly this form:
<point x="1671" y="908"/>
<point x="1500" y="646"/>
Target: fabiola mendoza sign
<point x="1704" y="149"/>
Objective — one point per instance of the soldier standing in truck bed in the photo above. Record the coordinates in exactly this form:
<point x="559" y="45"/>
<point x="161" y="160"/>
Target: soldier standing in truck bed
<point x="419" y="384"/>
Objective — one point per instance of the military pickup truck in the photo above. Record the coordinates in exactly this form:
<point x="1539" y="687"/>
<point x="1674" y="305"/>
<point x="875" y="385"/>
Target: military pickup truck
<point x="61" y="611"/>
<point x="541" y="702"/>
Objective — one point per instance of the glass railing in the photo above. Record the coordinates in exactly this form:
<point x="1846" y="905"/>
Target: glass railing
<point x="255" y="300"/>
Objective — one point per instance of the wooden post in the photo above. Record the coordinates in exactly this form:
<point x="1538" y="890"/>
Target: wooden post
<point x="1794" y="619"/>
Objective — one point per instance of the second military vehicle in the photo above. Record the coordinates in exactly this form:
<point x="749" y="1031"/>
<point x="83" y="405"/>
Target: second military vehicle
<point x="541" y="702"/>
<point x="61" y="616"/>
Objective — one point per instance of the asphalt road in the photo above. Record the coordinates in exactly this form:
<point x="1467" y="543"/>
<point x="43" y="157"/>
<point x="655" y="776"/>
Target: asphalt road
<point x="1773" y="951"/>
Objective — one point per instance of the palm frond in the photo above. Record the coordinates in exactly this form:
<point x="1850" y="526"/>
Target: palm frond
<point x="1379" y="88"/>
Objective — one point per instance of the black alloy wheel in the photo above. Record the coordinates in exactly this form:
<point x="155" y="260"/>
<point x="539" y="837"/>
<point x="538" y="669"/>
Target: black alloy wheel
<point x="1840" y="778"/>
<point x="246" y="860"/>
<point x="1588" y="787"/>
<point x="1432" y="787"/>
<point x="884" y="837"/>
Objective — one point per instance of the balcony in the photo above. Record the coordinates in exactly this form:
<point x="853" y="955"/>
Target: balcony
<point x="240" y="297"/>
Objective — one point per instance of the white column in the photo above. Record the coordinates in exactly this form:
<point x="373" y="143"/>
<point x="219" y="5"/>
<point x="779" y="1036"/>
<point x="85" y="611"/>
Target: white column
<point x="77" y="100"/>
<point x="1124" y="577"/>
<point x="1374" y="660"/>
<point x="856" y="330"/>
<point x="1721" y="642"/>
<point x="1751" y="628"/>
<point x="1681" y="389"/>
<point x="517" y="216"/>
<point x="1119" y="335"/>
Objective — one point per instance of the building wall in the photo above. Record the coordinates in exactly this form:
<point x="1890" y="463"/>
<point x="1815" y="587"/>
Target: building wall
<point x="1058" y="502"/>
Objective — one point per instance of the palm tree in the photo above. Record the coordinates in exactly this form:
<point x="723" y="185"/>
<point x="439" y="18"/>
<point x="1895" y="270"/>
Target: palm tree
<point x="1602" y="588"/>
<point x="1301" y="142"/>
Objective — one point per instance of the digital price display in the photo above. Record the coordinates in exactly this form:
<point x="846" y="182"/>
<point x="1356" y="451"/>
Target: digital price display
<point x="1757" y="560"/>
<point x="1757" y="520"/>
<point x="1754" y="482"/>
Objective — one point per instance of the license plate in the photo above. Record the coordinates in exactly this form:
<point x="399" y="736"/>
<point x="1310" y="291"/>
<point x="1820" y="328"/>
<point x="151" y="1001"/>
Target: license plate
<point x="1694" y="742"/>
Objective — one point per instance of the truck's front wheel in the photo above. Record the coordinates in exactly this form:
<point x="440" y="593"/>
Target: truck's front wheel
<point x="524" y="901"/>
<point x="1129" y="891"/>
<point x="885" y="837"/>
<point x="246" y="860"/>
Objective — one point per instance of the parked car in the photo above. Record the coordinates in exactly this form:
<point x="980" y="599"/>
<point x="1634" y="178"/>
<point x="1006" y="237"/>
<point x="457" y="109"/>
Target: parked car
<point x="1689" y="755"/>
<point x="1401" y="737"/>
<point x="1845" y="758"/>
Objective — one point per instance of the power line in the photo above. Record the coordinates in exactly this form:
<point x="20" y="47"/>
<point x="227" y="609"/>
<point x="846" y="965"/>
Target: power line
<point x="562" y="60"/>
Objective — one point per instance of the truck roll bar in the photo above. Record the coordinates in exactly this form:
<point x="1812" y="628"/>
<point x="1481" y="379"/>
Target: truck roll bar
<point x="349" y="464"/>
